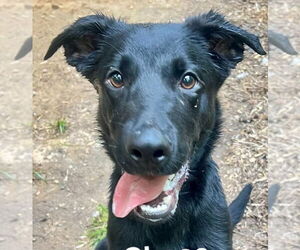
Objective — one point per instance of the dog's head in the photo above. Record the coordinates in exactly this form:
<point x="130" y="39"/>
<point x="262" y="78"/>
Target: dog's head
<point x="158" y="85"/>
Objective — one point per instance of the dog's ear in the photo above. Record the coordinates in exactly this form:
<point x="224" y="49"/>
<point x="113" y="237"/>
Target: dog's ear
<point x="225" y="40"/>
<point x="81" y="41"/>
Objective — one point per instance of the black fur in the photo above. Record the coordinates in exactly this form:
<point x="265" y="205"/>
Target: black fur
<point x="237" y="207"/>
<point x="153" y="59"/>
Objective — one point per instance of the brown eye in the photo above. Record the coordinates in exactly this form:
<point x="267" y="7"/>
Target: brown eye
<point x="116" y="80"/>
<point x="188" y="81"/>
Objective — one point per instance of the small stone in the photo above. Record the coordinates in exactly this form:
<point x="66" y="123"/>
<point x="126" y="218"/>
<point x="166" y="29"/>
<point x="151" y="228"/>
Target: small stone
<point x="264" y="61"/>
<point x="242" y="75"/>
<point x="96" y="214"/>
<point x="55" y="7"/>
<point x="296" y="61"/>
<point x="252" y="160"/>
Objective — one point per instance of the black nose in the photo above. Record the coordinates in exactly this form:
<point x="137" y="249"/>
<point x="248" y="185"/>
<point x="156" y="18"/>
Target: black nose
<point x="148" y="146"/>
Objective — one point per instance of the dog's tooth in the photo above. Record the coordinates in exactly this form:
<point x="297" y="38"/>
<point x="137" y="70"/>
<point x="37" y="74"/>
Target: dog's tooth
<point x="167" y="199"/>
<point x="159" y="209"/>
<point x="175" y="207"/>
<point x="175" y="178"/>
<point x="147" y="209"/>
<point x="167" y="185"/>
<point x="163" y="207"/>
<point x="171" y="177"/>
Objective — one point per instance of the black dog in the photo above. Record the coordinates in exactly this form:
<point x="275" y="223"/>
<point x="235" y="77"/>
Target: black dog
<point x="160" y="118"/>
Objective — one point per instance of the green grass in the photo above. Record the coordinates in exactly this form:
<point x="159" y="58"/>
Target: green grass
<point x="38" y="176"/>
<point x="61" y="126"/>
<point x="7" y="175"/>
<point x="97" y="230"/>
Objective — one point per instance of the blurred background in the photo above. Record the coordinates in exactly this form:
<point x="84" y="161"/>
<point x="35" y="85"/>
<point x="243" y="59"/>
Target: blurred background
<point x="284" y="129"/>
<point x="15" y="127"/>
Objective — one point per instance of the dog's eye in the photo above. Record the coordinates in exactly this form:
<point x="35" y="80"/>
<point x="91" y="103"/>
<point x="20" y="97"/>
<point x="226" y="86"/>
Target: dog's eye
<point x="116" y="80"/>
<point x="188" y="81"/>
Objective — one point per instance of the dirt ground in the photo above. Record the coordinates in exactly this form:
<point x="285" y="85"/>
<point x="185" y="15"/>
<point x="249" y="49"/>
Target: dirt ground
<point x="15" y="129"/>
<point x="284" y="129"/>
<point x="71" y="170"/>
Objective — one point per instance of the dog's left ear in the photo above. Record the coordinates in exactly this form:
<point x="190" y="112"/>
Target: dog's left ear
<point x="225" y="40"/>
<point x="82" y="41"/>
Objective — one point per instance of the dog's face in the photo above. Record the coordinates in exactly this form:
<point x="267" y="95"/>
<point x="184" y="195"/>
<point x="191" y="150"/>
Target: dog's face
<point x="158" y="85"/>
<point x="156" y="94"/>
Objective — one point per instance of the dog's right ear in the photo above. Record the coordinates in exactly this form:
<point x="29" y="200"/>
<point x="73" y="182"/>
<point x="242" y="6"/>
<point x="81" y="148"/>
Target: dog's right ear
<point x="225" y="41"/>
<point x="81" y="41"/>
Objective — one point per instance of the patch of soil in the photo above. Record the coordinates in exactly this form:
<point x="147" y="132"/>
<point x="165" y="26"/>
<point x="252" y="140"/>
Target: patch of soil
<point x="15" y="129"/>
<point x="284" y="141"/>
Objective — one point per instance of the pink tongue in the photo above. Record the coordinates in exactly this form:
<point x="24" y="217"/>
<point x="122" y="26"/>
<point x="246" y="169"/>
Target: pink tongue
<point x="134" y="190"/>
